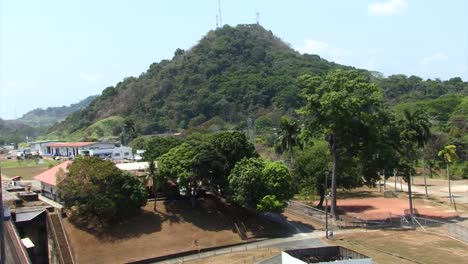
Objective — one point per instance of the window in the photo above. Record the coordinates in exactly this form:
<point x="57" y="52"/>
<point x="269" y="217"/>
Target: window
<point x="126" y="154"/>
<point x="116" y="154"/>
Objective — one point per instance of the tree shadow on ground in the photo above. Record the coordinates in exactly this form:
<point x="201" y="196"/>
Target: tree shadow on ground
<point x="143" y="223"/>
<point x="205" y="214"/>
<point x="354" y="208"/>
<point x="357" y="194"/>
<point x="215" y="213"/>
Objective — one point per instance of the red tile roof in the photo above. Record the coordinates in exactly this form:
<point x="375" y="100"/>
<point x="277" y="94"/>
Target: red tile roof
<point x="49" y="175"/>
<point x="70" y="144"/>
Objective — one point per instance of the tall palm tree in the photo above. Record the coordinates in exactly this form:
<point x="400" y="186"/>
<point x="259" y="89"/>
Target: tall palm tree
<point x="407" y="171"/>
<point x="419" y="124"/>
<point x="289" y="131"/>
<point x="450" y="155"/>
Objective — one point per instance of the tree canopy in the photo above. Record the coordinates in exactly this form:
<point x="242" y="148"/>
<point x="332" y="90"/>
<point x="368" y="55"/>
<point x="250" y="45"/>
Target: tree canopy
<point x="341" y="106"/>
<point x="96" y="189"/>
<point x="259" y="184"/>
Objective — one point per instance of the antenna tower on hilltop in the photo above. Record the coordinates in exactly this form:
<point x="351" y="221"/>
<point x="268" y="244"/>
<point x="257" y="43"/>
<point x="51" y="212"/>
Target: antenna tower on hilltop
<point x="257" y="14"/>
<point x="219" y="10"/>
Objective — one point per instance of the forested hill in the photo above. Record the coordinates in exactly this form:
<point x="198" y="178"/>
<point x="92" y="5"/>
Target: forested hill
<point x="34" y="123"/>
<point x="231" y="74"/>
<point x="46" y="117"/>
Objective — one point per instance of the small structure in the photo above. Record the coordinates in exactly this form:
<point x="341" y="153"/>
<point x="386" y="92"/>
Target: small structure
<point x="135" y="168"/>
<point x="48" y="180"/>
<point x="329" y="254"/>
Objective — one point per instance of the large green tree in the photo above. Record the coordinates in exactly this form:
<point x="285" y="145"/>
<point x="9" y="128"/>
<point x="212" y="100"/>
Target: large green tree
<point x="339" y="106"/>
<point x="193" y="164"/>
<point x="234" y="145"/>
<point x="259" y="184"/>
<point x="97" y="189"/>
<point x="310" y="168"/>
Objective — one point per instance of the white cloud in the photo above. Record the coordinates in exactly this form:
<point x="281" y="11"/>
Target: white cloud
<point x="392" y="7"/>
<point x="323" y="49"/>
<point x="439" y="56"/>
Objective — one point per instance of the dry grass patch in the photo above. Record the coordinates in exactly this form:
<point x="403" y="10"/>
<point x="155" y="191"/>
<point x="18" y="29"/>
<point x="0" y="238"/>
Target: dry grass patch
<point x="249" y="256"/>
<point x="404" y="247"/>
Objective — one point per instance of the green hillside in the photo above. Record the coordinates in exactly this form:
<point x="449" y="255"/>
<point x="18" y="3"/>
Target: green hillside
<point x="234" y="73"/>
<point x="230" y="74"/>
<point x="36" y="122"/>
<point x="46" y="117"/>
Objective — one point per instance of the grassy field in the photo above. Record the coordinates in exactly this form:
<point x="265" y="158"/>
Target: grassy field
<point x="26" y="168"/>
<point x="404" y="247"/>
<point x="250" y="256"/>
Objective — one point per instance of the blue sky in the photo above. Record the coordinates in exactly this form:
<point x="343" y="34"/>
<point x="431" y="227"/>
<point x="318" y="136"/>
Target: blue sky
<point x="55" y="53"/>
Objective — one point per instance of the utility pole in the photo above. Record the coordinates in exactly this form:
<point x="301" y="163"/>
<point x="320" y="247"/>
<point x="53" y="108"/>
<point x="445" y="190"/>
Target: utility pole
<point x="2" y="215"/>
<point x="326" y="204"/>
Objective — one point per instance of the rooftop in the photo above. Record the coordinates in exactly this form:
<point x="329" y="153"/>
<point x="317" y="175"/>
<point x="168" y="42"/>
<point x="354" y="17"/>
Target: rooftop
<point x="49" y="176"/>
<point x="70" y="144"/>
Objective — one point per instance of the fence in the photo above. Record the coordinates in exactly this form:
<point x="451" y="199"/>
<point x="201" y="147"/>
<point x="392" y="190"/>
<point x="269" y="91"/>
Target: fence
<point x="345" y="221"/>
<point x="305" y="210"/>
<point x="450" y="229"/>
<point x="385" y="221"/>
<point x="244" y="253"/>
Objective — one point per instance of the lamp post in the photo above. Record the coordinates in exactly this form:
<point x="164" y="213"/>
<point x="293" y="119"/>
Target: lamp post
<point x="326" y="204"/>
<point x="2" y="214"/>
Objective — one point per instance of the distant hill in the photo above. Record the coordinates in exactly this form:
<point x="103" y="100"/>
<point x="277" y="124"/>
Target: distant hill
<point x="46" y="117"/>
<point x="34" y="123"/>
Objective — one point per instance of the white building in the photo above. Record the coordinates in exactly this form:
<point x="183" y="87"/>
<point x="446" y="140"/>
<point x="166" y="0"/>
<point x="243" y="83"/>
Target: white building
<point x="39" y="147"/>
<point x="98" y="149"/>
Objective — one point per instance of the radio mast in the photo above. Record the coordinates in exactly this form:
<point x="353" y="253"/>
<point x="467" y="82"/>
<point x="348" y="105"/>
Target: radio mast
<point x="219" y="10"/>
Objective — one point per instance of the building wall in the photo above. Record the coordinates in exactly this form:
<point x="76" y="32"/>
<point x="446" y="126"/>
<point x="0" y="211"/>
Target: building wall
<point x="49" y="191"/>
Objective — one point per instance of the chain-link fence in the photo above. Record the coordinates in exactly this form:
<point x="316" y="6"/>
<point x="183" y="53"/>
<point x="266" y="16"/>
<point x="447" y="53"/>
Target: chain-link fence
<point x="306" y="210"/>
<point x="445" y="228"/>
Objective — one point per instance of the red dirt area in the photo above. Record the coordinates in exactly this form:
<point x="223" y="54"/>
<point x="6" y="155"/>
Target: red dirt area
<point x="383" y="208"/>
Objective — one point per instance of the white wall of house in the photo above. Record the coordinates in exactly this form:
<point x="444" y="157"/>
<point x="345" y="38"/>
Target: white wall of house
<point x="40" y="147"/>
<point x="121" y="153"/>
<point x="49" y="191"/>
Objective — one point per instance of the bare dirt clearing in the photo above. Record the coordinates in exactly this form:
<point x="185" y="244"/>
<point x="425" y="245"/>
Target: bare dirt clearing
<point x="174" y="228"/>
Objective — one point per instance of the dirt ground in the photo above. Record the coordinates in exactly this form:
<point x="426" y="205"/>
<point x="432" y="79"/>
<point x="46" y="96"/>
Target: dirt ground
<point x="381" y="208"/>
<point x="174" y="228"/>
<point x="404" y="247"/>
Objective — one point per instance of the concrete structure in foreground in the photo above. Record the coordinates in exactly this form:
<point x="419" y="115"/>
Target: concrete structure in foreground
<point x="323" y="255"/>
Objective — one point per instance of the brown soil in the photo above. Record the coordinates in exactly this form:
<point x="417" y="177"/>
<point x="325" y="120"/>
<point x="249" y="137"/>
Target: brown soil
<point x="175" y="227"/>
